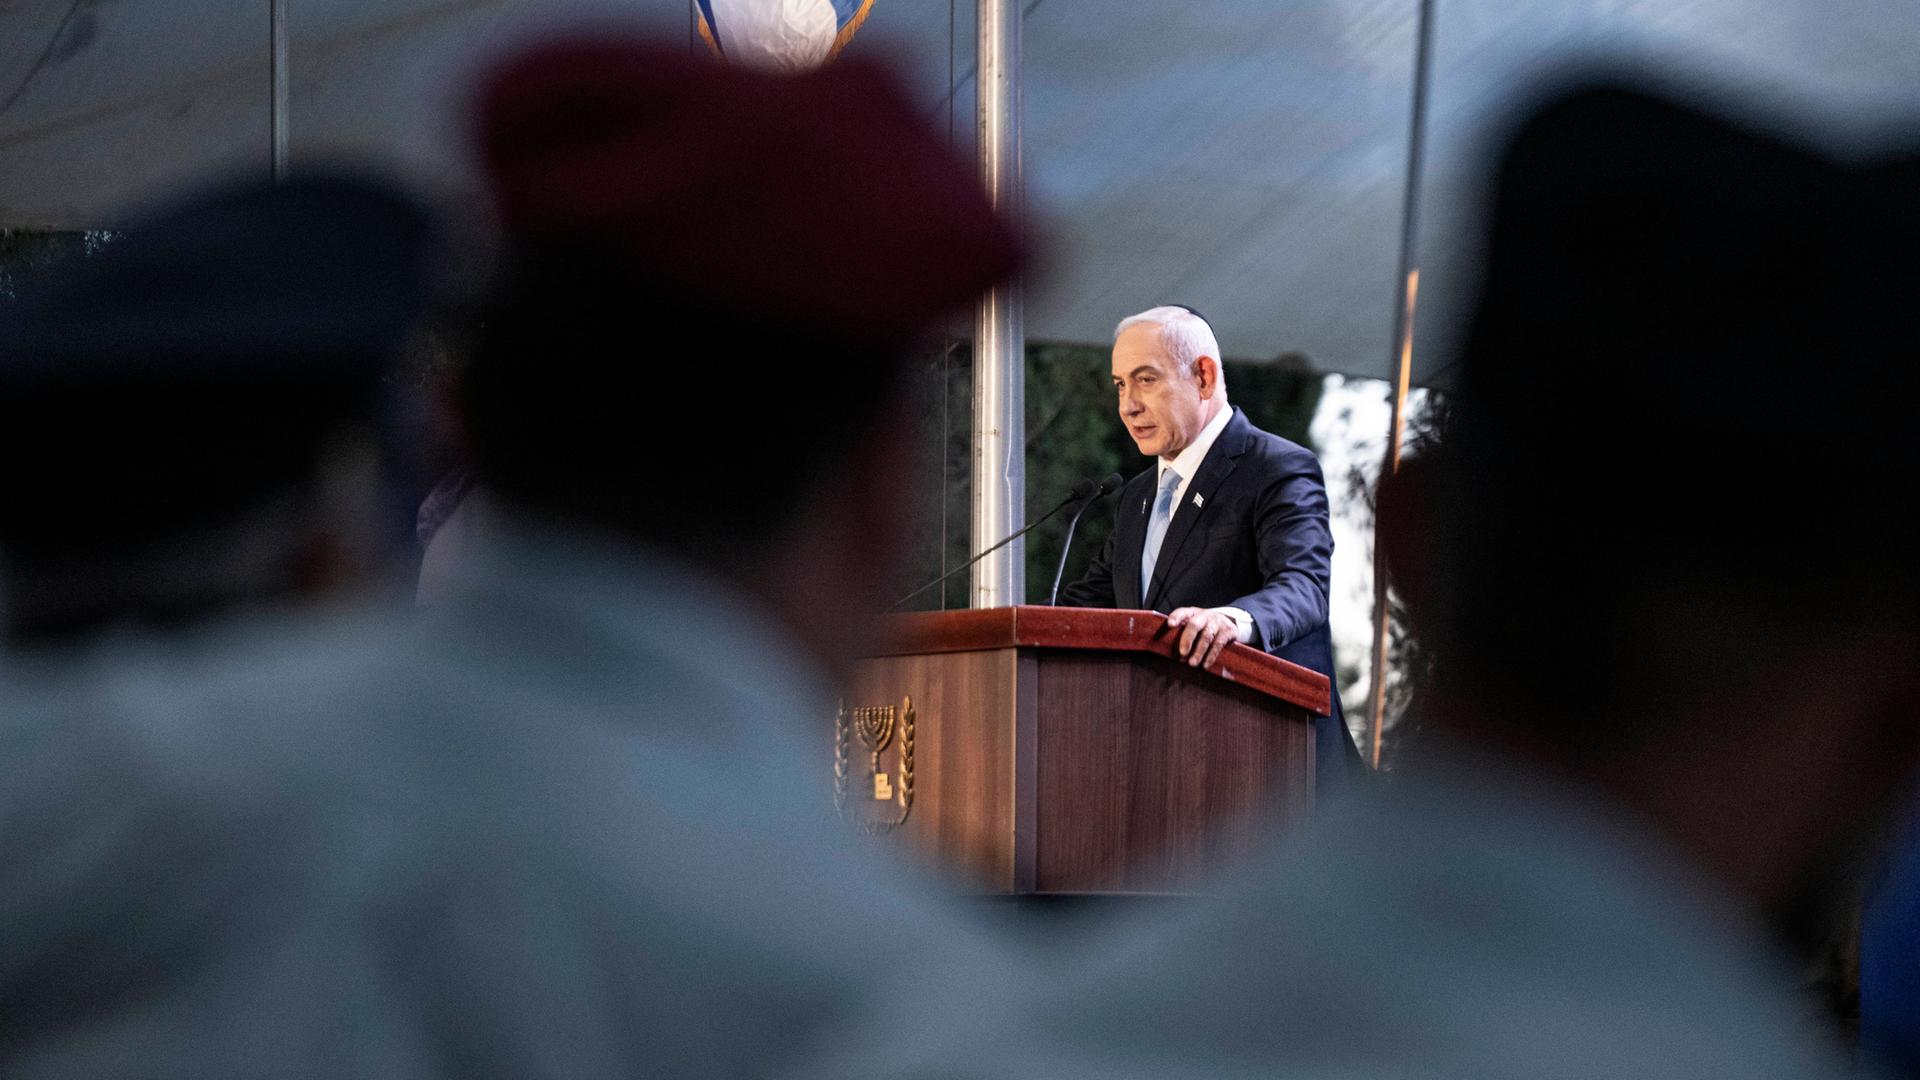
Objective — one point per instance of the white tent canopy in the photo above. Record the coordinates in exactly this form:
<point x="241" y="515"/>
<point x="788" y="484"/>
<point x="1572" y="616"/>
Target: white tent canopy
<point x="1243" y="156"/>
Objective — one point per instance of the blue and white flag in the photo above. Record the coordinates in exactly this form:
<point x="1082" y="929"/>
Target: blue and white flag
<point x="784" y="35"/>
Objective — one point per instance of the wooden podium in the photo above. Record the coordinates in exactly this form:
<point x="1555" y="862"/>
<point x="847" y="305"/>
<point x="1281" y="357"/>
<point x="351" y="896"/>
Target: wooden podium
<point x="1064" y="750"/>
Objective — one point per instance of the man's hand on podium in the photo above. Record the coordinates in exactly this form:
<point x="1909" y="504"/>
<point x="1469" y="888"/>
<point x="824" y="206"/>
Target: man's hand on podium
<point x="1204" y="633"/>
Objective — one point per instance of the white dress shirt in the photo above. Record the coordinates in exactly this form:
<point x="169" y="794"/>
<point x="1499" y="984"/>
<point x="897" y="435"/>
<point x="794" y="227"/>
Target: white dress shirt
<point x="1187" y="463"/>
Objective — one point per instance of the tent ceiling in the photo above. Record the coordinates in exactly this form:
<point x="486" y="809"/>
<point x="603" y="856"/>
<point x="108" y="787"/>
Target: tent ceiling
<point x="1243" y="156"/>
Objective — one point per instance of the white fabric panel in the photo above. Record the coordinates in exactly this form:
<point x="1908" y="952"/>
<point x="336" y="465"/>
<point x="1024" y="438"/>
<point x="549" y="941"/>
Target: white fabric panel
<point x="1243" y="156"/>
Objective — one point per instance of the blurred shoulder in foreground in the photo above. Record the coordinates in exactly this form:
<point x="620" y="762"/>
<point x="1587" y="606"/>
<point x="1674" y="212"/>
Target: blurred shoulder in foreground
<point x="575" y="819"/>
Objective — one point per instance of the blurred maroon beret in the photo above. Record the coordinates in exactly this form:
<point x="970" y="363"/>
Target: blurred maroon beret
<point x="823" y="199"/>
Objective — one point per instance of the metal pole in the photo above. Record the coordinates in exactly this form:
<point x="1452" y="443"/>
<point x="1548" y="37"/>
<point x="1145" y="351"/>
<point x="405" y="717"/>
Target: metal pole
<point x="1377" y="700"/>
<point x="277" y="128"/>
<point x="1409" y="289"/>
<point x="999" y="339"/>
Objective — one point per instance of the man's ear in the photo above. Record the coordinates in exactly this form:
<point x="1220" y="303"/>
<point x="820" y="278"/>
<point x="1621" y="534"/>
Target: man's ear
<point x="1207" y="370"/>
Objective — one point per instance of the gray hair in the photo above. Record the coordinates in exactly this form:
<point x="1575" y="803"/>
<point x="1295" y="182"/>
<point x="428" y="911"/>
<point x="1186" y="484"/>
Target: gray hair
<point x="1184" y="335"/>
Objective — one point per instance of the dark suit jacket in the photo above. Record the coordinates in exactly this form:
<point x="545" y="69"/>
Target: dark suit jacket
<point x="1251" y="532"/>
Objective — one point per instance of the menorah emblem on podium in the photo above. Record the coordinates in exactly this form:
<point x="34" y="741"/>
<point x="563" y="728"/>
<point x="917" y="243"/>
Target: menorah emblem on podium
<point x="875" y="727"/>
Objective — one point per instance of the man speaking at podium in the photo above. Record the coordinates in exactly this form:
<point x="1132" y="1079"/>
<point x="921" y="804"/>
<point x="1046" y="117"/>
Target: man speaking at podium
<point x="1227" y="533"/>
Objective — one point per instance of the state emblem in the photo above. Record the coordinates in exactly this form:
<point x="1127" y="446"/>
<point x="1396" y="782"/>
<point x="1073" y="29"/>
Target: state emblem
<point x="884" y="789"/>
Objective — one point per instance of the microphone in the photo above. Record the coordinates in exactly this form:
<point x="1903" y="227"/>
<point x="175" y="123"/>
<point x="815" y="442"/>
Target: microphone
<point x="1085" y="490"/>
<point x="1114" y="482"/>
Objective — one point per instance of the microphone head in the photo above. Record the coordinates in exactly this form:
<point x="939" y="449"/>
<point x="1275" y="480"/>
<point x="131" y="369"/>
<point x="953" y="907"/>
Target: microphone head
<point x="1114" y="482"/>
<point x="1085" y="489"/>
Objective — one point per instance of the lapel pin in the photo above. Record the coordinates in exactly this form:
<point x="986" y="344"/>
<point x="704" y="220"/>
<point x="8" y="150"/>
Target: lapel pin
<point x="1199" y="499"/>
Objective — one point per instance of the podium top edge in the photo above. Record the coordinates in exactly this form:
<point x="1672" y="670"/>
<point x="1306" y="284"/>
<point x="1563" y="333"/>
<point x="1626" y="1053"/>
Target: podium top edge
<point x="1100" y="629"/>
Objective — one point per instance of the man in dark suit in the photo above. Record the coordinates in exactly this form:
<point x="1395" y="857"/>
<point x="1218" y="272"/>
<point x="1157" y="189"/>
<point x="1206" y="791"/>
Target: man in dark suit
<point x="1227" y="533"/>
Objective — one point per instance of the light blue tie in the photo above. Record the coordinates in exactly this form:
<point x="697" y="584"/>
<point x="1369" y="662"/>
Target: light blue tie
<point x="1157" y="529"/>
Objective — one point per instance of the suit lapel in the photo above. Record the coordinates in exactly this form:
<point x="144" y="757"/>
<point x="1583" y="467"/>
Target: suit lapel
<point x="1130" y="538"/>
<point x="1219" y="464"/>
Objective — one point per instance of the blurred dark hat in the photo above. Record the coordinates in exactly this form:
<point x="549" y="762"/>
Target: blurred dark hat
<point x="1687" y="373"/>
<point x="201" y="360"/>
<point x="1659" y="271"/>
<point x="320" y="277"/>
<point x="823" y="200"/>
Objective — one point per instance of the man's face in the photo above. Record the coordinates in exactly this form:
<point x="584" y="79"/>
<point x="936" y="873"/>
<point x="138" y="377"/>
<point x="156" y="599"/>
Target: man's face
<point x="1163" y="407"/>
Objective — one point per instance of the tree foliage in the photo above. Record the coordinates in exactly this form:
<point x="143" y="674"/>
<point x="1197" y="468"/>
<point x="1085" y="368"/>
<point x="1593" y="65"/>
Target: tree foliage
<point x="27" y="255"/>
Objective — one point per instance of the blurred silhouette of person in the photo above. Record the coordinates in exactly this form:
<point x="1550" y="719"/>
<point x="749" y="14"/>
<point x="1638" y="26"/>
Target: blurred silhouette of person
<point x="1890" y="959"/>
<point x="1672" y="615"/>
<point x="195" y="420"/>
<point x="193" y="415"/>
<point x="1889" y="934"/>
<point x="575" y="818"/>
